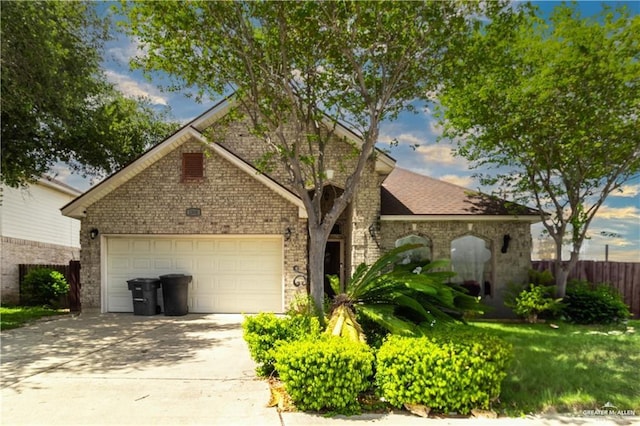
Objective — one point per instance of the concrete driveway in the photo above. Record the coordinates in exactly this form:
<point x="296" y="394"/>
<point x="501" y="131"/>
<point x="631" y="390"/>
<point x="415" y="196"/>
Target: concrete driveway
<point x="107" y="369"/>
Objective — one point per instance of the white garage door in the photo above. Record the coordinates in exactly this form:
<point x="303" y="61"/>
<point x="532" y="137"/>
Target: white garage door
<point x="231" y="274"/>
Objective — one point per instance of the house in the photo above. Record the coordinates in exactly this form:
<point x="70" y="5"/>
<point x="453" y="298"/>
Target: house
<point x="188" y="206"/>
<point x="34" y="231"/>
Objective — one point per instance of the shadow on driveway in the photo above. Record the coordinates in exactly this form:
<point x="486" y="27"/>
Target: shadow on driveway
<point x="105" y="343"/>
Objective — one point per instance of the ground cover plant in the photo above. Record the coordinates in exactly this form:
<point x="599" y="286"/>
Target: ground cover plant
<point x="17" y="316"/>
<point x="570" y="368"/>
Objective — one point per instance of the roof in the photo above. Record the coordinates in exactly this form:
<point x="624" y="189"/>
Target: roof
<point x="193" y="130"/>
<point x="408" y="195"/>
<point x="77" y="208"/>
<point x="59" y="186"/>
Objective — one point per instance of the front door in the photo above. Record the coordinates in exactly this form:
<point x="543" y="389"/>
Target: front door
<point x="333" y="264"/>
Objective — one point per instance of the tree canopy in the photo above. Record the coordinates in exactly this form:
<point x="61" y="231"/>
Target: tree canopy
<point x="295" y="65"/>
<point x="548" y="110"/>
<point x="57" y="104"/>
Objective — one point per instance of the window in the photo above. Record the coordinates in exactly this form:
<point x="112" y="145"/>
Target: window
<point x="470" y="259"/>
<point x="420" y="254"/>
<point x="192" y="166"/>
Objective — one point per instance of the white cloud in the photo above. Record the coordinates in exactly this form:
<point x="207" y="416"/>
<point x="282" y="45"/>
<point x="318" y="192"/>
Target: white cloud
<point x="441" y="154"/>
<point x="627" y="191"/>
<point x="464" y="181"/>
<point x="435" y="128"/>
<point x="127" y="51"/>
<point x="620" y="213"/>
<point x="136" y="89"/>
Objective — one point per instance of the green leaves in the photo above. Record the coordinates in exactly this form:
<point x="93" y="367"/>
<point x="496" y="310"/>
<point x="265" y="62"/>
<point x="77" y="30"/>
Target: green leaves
<point x="405" y="299"/>
<point x="326" y="373"/>
<point x="454" y="370"/>
<point x="550" y="109"/>
<point x="56" y="102"/>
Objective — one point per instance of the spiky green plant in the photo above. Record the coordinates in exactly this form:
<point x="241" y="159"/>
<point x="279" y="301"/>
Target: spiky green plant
<point x="403" y="299"/>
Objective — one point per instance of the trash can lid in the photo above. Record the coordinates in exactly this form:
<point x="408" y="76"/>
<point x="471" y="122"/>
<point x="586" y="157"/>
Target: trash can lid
<point x="174" y="276"/>
<point x="141" y="280"/>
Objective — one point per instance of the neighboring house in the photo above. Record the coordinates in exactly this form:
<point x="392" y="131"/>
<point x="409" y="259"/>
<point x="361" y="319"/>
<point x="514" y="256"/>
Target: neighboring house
<point x="34" y="231"/>
<point x="187" y="206"/>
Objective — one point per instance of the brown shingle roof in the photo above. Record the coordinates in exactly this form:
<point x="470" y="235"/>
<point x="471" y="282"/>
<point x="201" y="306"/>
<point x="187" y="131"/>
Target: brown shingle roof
<point x="408" y="193"/>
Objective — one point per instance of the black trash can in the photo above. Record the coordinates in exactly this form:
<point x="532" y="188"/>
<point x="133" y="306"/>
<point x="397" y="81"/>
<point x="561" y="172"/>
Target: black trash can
<point x="175" y="294"/>
<point x="145" y="295"/>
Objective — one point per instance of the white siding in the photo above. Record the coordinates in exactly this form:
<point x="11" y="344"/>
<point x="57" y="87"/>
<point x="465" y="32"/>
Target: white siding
<point x="34" y="214"/>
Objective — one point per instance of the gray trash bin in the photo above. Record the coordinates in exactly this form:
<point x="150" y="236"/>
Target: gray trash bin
<point x="144" y="292"/>
<point x="175" y="294"/>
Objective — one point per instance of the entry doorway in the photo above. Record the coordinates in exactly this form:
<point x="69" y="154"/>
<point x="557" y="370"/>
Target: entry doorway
<point x="333" y="264"/>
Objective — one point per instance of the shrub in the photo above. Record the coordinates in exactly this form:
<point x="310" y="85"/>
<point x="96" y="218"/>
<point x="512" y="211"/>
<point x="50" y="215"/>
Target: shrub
<point x="264" y="331"/>
<point x="43" y="286"/>
<point x="535" y="300"/>
<point x="326" y="373"/>
<point x="587" y="304"/>
<point x="451" y="371"/>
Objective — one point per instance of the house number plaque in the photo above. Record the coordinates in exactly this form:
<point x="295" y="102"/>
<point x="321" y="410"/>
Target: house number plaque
<point x="193" y="212"/>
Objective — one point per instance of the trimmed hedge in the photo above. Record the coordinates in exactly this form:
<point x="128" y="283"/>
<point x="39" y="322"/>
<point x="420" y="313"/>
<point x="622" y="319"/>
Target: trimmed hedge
<point x="325" y="374"/>
<point x="264" y="331"/>
<point x="452" y="371"/>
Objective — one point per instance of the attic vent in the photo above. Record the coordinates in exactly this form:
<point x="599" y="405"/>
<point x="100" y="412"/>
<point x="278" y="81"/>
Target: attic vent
<point x="192" y="166"/>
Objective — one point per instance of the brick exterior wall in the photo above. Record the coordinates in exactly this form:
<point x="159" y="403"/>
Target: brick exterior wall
<point x="509" y="267"/>
<point x="16" y="251"/>
<point x="232" y="202"/>
<point x="365" y="207"/>
<point x="154" y="202"/>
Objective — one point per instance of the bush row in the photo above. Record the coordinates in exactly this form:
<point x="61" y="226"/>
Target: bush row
<point x="584" y="303"/>
<point x="454" y="370"/>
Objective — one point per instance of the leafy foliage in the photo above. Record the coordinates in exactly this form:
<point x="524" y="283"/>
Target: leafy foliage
<point x="57" y="104"/>
<point x="454" y="371"/>
<point x="594" y="304"/>
<point x="325" y="374"/>
<point x="263" y="332"/>
<point x="404" y="299"/>
<point x="551" y="109"/>
<point x="43" y="286"/>
<point x="535" y="300"/>
<point x="306" y="67"/>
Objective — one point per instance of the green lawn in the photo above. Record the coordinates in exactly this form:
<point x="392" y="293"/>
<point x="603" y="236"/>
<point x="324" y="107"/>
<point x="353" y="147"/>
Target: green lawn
<point x="569" y="369"/>
<point x="17" y="316"/>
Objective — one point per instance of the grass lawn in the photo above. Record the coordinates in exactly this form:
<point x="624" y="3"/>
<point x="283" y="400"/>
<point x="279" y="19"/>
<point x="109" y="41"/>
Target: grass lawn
<point x="17" y="316"/>
<point x="569" y="369"/>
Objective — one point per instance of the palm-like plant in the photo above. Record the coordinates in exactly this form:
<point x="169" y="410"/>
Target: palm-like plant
<point x="403" y="299"/>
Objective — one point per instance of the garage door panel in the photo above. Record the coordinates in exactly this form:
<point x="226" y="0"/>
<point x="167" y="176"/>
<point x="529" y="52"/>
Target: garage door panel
<point x="160" y="246"/>
<point x="230" y="274"/>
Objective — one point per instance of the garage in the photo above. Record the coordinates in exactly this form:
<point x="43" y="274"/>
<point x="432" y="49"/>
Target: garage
<point x="231" y="274"/>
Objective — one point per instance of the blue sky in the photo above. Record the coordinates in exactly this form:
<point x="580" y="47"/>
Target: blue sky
<point x="620" y="214"/>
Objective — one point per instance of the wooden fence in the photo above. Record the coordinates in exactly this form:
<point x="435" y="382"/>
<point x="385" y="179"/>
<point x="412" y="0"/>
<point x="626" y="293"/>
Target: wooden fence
<point x="623" y="276"/>
<point x="71" y="273"/>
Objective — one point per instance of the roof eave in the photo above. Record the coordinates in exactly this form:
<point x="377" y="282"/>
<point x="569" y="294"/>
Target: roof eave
<point x="459" y="218"/>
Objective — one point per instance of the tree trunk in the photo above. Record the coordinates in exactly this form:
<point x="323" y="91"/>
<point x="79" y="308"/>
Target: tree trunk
<point x="561" y="279"/>
<point x="317" y="245"/>
<point x="562" y="273"/>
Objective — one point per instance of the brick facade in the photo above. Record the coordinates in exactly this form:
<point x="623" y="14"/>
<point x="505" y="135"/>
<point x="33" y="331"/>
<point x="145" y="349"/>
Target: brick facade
<point x="502" y="268"/>
<point x="17" y="251"/>
<point x="232" y="202"/>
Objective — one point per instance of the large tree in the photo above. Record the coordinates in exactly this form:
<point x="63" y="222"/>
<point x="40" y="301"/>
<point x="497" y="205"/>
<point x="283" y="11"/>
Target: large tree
<point x="56" y="102"/>
<point x="549" y="109"/>
<point x="295" y="65"/>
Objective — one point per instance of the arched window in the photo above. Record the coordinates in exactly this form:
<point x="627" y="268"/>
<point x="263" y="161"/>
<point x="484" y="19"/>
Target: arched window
<point x="470" y="259"/>
<point x="420" y="254"/>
